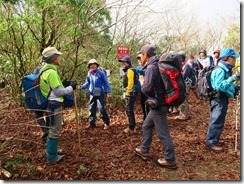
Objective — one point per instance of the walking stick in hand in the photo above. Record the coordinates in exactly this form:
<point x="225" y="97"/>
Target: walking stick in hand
<point x="77" y="121"/>
<point x="236" y="123"/>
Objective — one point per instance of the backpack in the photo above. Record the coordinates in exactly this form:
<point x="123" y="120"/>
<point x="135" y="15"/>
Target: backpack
<point x="170" y="66"/>
<point x="205" y="90"/>
<point x="32" y="92"/>
<point x="102" y="69"/>
<point x="191" y="80"/>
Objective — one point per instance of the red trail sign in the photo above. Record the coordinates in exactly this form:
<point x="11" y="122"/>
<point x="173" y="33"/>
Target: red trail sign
<point x="122" y="51"/>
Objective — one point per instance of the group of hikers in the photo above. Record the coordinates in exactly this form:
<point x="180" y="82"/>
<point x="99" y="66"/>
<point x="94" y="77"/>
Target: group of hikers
<point x="150" y="86"/>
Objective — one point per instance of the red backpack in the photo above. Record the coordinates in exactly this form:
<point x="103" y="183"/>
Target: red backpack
<point x="170" y="66"/>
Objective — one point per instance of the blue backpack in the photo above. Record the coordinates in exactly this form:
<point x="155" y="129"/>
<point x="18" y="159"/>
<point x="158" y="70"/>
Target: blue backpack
<point x="32" y="92"/>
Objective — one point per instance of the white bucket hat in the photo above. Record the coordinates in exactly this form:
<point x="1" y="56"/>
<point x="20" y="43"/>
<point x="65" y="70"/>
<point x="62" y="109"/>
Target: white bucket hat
<point x="93" y="61"/>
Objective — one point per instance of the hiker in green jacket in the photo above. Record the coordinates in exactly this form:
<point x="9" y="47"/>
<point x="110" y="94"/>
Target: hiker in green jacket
<point x="52" y="87"/>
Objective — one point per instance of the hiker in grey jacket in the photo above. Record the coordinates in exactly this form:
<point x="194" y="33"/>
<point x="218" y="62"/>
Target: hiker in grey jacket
<point x="152" y="86"/>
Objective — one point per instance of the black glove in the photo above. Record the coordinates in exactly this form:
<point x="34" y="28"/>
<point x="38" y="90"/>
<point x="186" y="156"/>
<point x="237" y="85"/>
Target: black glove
<point x="237" y="89"/>
<point x="73" y="84"/>
<point x="66" y="83"/>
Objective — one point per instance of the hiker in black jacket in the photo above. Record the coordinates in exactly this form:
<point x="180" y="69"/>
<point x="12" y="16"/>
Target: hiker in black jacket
<point x="152" y="86"/>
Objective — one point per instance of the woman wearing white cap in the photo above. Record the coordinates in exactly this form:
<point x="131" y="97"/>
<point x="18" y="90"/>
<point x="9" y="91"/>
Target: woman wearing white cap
<point x="99" y="90"/>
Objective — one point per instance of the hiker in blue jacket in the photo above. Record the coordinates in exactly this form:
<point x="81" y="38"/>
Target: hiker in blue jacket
<point x="223" y="83"/>
<point x="99" y="90"/>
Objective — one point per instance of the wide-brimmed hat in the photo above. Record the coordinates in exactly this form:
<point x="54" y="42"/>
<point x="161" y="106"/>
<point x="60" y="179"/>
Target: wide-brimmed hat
<point x="49" y="51"/>
<point x="93" y="61"/>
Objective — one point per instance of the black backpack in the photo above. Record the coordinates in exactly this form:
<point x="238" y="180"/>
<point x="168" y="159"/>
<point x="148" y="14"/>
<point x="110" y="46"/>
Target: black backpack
<point x="170" y="66"/>
<point x="205" y="90"/>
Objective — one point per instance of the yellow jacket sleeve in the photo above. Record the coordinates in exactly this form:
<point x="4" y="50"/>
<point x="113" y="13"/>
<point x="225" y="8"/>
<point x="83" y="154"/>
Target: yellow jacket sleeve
<point x="130" y="76"/>
<point x="237" y="66"/>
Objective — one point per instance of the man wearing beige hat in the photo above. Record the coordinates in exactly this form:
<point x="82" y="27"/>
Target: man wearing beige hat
<point x="51" y="87"/>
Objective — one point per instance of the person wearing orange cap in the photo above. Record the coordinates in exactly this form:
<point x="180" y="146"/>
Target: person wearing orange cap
<point x="216" y="56"/>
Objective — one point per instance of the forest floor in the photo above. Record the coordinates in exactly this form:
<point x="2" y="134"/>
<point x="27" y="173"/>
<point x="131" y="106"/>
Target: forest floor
<point x="109" y="154"/>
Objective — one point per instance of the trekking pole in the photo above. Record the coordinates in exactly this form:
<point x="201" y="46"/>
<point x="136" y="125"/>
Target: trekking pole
<point x="236" y="123"/>
<point x="77" y="120"/>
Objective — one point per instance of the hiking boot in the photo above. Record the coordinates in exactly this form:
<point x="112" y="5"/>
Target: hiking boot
<point x="129" y="131"/>
<point x="142" y="155"/>
<point x="59" y="158"/>
<point x="216" y="149"/>
<point x="106" y="127"/>
<point x="89" y="126"/>
<point x="165" y="164"/>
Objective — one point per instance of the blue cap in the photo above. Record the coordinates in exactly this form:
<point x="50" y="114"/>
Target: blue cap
<point x="228" y="52"/>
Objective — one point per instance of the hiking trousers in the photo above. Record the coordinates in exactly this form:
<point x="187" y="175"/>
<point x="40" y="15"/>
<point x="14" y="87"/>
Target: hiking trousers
<point x="184" y="107"/>
<point x="157" y="118"/>
<point x="218" y="113"/>
<point x="100" y="102"/>
<point x="130" y="102"/>
<point x="55" y="123"/>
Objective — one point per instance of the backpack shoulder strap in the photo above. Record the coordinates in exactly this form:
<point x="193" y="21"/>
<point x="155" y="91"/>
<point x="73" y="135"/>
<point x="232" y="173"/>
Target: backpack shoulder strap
<point x="45" y="69"/>
<point x="215" y="67"/>
<point x="136" y="78"/>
